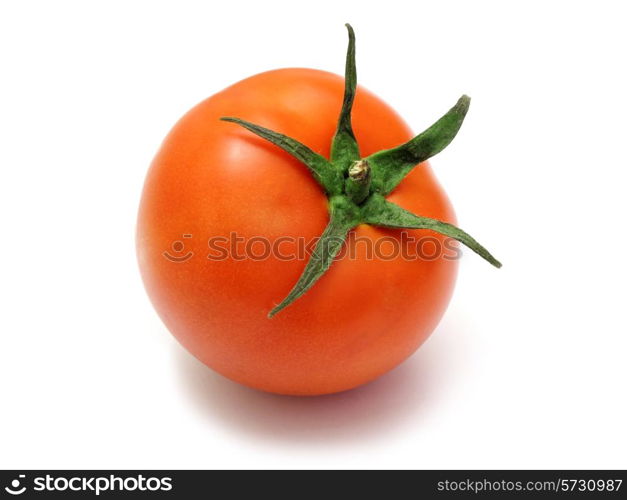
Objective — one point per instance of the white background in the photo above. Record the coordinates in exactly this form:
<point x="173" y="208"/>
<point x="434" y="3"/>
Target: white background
<point x="528" y="367"/>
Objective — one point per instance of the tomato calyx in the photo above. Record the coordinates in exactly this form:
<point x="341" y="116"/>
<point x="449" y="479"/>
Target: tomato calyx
<point x="356" y="186"/>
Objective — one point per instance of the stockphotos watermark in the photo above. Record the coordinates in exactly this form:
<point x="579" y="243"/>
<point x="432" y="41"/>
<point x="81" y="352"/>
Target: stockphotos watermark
<point x="95" y="485"/>
<point x="236" y="247"/>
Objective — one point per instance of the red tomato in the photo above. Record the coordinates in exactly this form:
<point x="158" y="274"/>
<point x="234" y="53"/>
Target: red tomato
<point x="212" y="178"/>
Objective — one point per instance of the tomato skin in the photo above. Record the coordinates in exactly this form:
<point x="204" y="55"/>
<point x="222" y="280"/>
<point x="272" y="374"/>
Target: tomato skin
<point x="361" y="319"/>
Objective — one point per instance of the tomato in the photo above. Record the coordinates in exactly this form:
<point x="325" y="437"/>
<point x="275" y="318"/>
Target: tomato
<point x="212" y="178"/>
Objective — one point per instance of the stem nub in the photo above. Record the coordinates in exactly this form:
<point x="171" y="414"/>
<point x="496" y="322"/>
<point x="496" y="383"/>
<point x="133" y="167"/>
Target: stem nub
<point x="357" y="185"/>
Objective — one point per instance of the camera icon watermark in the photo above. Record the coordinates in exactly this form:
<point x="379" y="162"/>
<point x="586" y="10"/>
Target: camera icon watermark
<point x="178" y="254"/>
<point x="14" y="488"/>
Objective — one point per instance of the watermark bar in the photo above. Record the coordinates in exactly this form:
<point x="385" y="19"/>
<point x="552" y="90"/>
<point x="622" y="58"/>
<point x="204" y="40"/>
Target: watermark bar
<point x="402" y="245"/>
<point x="206" y="484"/>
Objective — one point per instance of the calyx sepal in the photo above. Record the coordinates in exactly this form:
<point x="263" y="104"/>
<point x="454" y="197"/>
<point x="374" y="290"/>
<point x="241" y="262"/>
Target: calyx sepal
<point x="356" y="187"/>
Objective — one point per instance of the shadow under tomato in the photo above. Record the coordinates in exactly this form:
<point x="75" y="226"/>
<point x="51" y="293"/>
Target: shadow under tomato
<point x="383" y="407"/>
